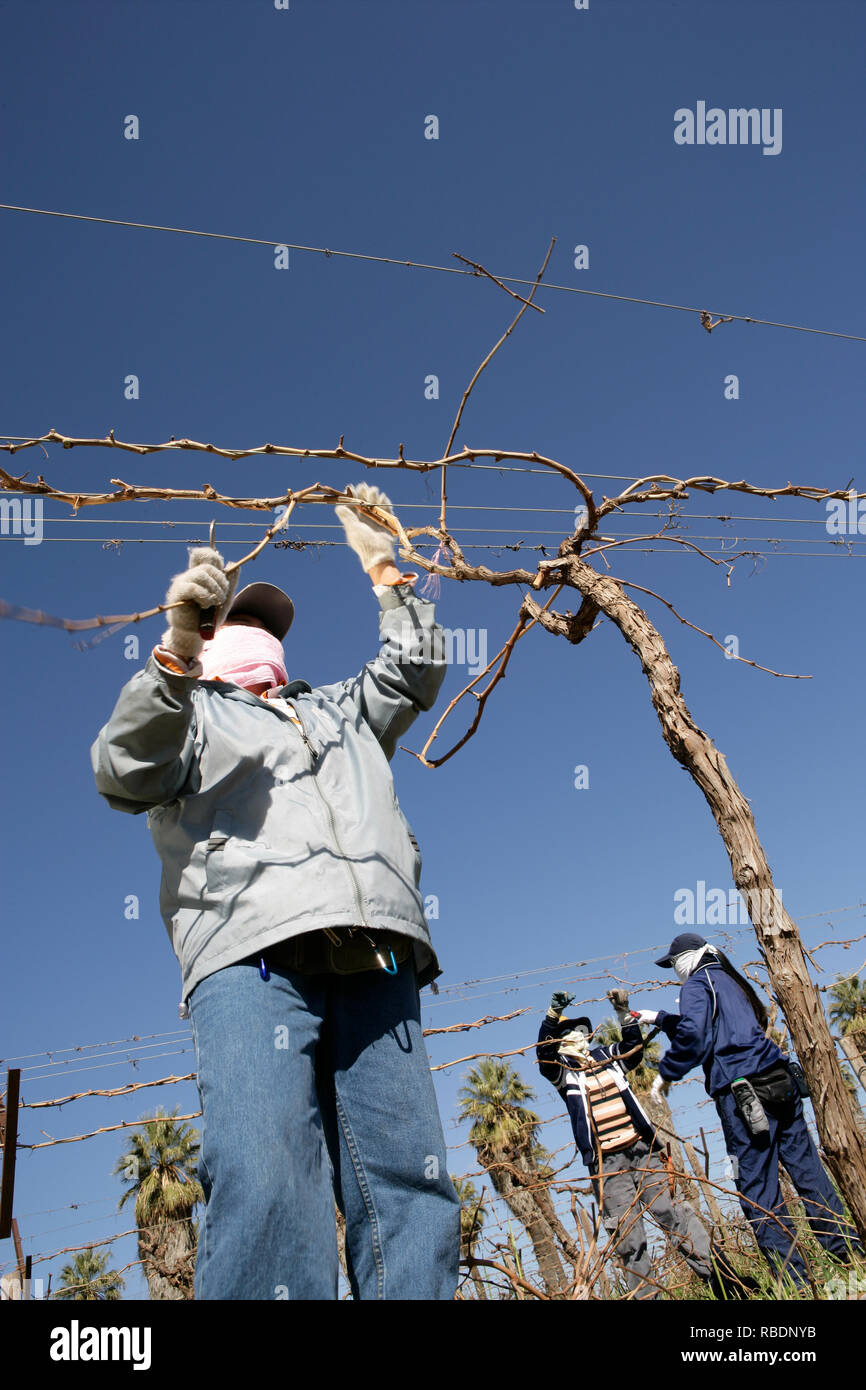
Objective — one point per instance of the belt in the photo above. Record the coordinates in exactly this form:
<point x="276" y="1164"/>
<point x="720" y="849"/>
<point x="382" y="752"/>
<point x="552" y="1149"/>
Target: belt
<point x="347" y="951"/>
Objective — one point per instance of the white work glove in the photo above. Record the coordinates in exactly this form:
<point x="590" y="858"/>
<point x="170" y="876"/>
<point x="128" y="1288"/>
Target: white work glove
<point x="204" y="585"/>
<point x="371" y="542"/>
<point x="648" y="1016"/>
<point x="659" y="1088"/>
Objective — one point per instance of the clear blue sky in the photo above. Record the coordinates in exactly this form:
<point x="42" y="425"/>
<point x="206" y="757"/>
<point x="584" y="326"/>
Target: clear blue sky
<point x="307" y="126"/>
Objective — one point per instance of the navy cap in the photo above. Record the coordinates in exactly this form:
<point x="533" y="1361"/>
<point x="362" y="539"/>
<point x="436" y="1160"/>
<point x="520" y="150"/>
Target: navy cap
<point x="687" y="941"/>
<point x="267" y="602"/>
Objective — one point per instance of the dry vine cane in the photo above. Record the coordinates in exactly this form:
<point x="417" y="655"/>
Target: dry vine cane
<point x="602" y="595"/>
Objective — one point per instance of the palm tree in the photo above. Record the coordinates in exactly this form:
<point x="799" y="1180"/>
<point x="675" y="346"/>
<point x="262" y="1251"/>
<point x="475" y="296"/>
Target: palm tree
<point x="848" y="1009"/>
<point x="472" y="1218"/>
<point x="86" y="1278"/>
<point x="504" y="1134"/>
<point x="159" y="1167"/>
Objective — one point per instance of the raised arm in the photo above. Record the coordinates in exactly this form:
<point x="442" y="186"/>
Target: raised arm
<point x="145" y="754"/>
<point x="547" y="1048"/>
<point x="406" y="675"/>
<point x="691" y="1039"/>
<point x="629" y="1051"/>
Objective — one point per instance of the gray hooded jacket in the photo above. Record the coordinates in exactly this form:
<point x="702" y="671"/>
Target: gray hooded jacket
<point x="266" y="830"/>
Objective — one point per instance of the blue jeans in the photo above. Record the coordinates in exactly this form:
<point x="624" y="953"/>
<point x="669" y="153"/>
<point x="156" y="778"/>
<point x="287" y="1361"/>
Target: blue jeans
<point x="314" y="1087"/>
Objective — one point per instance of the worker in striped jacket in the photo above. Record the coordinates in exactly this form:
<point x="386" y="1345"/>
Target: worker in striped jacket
<point x="617" y="1142"/>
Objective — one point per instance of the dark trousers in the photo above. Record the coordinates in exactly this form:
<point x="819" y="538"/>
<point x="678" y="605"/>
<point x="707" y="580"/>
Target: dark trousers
<point x="634" y="1182"/>
<point x="789" y="1143"/>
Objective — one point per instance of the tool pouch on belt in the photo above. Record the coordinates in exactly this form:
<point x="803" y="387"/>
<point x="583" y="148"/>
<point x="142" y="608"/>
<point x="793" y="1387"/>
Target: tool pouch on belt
<point x="774" y="1086"/>
<point x="751" y="1110"/>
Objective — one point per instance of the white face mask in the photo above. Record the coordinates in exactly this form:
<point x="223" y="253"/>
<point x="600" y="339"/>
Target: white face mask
<point x="575" y="1044"/>
<point x="687" y="961"/>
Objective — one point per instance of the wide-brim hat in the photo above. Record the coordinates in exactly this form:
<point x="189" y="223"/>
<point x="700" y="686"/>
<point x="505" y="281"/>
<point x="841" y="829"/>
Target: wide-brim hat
<point x="686" y="941"/>
<point x="568" y="1025"/>
<point x="267" y="602"/>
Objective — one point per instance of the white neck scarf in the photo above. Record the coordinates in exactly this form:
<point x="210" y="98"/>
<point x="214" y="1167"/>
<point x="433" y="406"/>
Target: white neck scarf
<point x="687" y="962"/>
<point x="576" y="1045"/>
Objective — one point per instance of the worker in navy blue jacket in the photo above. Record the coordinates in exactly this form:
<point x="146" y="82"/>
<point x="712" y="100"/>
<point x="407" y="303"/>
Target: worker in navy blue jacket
<point x="722" y="1027"/>
<point x="617" y="1143"/>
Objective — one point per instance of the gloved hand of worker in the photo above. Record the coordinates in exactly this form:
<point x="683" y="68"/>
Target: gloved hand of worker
<point x="559" y="1001"/>
<point x="204" y="584"/>
<point x="659" y="1088"/>
<point x="619" y="999"/>
<point x="648" y="1016"/>
<point x="372" y="543"/>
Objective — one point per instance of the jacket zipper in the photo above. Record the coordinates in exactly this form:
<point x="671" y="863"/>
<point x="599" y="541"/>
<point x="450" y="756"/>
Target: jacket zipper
<point x="314" y="758"/>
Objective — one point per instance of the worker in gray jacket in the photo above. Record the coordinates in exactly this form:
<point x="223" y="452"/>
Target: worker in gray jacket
<point x="290" y="894"/>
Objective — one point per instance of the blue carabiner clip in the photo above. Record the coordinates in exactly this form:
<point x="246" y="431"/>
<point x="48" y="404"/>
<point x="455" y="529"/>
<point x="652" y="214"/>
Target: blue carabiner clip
<point x="263" y="969"/>
<point x="393" y="969"/>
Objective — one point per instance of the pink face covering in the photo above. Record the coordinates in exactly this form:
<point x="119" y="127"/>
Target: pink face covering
<point x="245" y="655"/>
